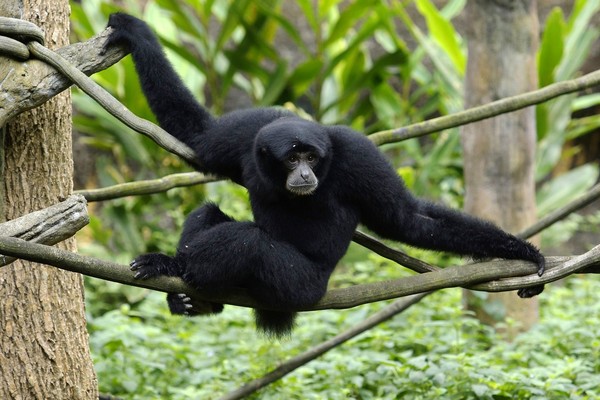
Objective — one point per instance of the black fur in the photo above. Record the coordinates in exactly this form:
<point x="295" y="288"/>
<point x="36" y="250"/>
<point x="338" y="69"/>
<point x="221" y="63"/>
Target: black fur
<point x="285" y="258"/>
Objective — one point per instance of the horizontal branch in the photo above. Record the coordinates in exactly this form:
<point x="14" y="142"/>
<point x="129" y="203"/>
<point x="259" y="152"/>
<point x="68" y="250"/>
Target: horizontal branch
<point x="147" y="186"/>
<point x="489" y="110"/>
<point x="481" y="276"/>
<point x="191" y="178"/>
<point x="48" y="226"/>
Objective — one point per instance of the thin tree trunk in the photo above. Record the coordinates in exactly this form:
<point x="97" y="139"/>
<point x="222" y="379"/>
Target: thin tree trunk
<point x="44" y="352"/>
<point x="499" y="153"/>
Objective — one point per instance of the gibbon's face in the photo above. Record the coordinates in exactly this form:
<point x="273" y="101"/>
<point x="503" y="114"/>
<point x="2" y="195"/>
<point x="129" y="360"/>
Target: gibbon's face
<point x="301" y="179"/>
<point x="291" y="153"/>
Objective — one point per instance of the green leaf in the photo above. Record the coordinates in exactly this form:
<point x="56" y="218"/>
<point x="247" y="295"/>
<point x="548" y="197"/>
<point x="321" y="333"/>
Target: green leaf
<point x="480" y="390"/>
<point x="387" y="103"/>
<point x="443" y="33"/>
<point x="581" y="33"/>
<point x="235" y="13"/>
<point x="551" y="47"/>
<point x="559" y="191"/>
<point x="324" y="7"/>
<point x="582" y="126"/>
<point x="288" y="27"/>
<point x="582" y="13"/>
<point x="587" y="101"/>
<point x="349" y="19"/>
<point x="275" y="85"/>
<point x="304" y="75"/>
<point x="309" y="14"/>
<point x="354" y="45"/>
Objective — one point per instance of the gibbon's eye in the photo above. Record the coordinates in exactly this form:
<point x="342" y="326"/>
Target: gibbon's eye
<point x="311" y="158"/>
<point x="292" y="159"/>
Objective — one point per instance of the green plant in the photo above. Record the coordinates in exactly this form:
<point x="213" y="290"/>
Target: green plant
<point x="563" y="49"/>
<point x="432" y="350"/>
<point x="565" y="45"/>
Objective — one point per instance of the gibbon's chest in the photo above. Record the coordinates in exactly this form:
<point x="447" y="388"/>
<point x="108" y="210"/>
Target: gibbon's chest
<point x="318" y="227"/>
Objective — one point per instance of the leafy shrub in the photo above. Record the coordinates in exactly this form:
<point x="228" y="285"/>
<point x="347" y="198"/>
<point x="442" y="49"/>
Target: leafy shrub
<point x="432" y="350"/>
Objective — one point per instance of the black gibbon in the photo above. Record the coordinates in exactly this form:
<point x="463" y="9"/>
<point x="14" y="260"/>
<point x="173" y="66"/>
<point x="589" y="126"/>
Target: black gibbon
<point x="310" y="185"/>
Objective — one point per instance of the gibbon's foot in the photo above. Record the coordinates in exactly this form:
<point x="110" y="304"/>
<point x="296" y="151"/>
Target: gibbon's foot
<point x="181" y="304"/>
<point x="528" y="292"/>
<point x="532" y="291"/>
<point x="152" y="265"/>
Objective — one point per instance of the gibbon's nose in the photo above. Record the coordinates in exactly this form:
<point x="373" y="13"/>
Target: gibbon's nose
<point x="305" y="175"/>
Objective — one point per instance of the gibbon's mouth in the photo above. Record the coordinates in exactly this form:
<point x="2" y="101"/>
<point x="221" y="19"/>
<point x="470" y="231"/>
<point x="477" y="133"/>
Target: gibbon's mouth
<point x="302" y="190"/>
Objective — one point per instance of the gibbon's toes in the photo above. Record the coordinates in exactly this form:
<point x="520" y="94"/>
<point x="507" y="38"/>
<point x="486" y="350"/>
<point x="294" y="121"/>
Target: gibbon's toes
<point x="532" y="291"/>
<point x="179" y="303"/>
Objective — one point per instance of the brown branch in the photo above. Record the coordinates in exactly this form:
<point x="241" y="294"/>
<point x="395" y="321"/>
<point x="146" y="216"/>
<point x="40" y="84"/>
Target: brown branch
<point x="395" y="255"/>
<point x="112" y="105"/>
<point x="147" y="187"/>
<point x="48" y="226"/>
<point x="474" y="276"/>
<point x="26" y="85"/>
<point x="489" y="110"/>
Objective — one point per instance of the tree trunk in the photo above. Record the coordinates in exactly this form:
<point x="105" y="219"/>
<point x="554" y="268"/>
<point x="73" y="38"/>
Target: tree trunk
<point x="499" y="153"/>
<point x="44" y="352"/>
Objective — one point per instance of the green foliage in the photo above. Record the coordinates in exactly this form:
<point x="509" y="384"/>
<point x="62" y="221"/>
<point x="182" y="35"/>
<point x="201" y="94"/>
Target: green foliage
<point x="564" y="47"/>
<point x="354" y="69"/>
<point x="432" y="350"/>
<point x="443" y="33"/>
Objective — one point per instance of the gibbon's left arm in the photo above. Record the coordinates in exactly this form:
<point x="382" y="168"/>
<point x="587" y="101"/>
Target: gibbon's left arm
<point x="389" y="209"/>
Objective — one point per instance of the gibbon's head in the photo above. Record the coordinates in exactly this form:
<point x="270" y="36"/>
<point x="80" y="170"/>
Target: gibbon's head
<point x="293" y="154"/>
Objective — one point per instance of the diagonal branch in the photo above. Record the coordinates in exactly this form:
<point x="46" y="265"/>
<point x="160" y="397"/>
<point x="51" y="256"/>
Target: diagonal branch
<point x="171" y="144"/>
<point x="586" y="199"/>
<point x="112" y="105"/>
<point x="26" y="85"/>
<point x="293" y="363"/>
<point x="489" y="110"/>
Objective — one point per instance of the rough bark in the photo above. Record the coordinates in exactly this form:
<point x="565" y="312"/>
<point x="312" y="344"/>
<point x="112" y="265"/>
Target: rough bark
<point x="44" y="352"/>
<point x="499" y="152"/>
